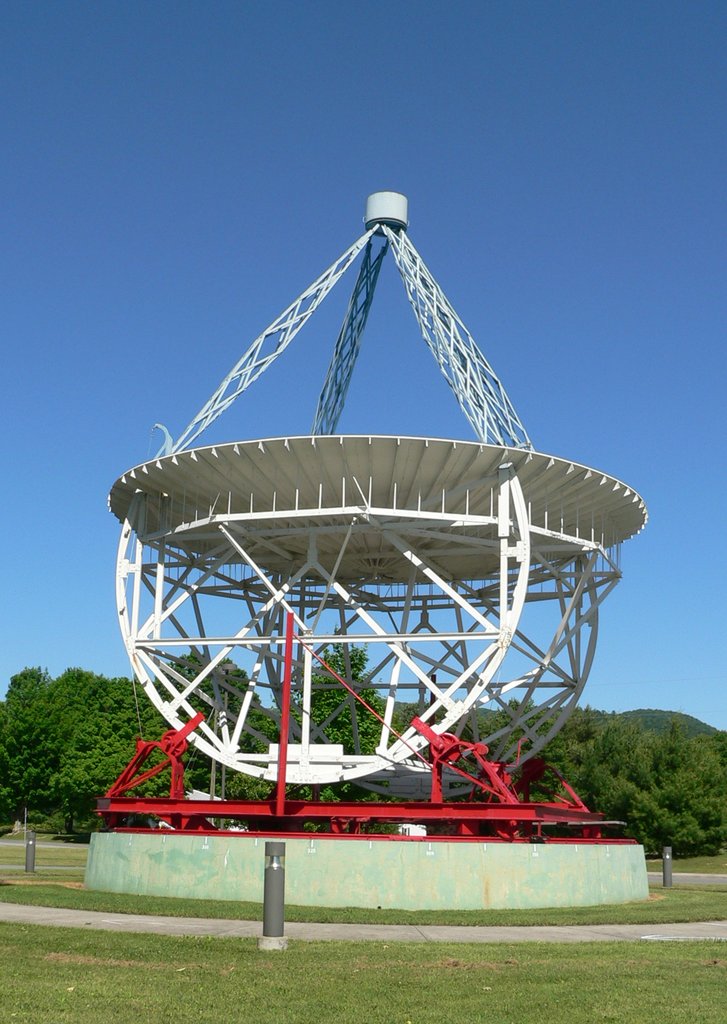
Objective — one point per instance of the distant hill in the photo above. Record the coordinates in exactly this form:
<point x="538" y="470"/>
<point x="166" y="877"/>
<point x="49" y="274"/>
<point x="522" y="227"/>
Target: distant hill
<point x="660" y="721"/>
<point x="650" y="719"/>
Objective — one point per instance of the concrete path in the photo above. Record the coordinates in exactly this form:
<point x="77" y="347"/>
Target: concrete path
<point x="18" y="844"/>
<point x="688" y="878"/>
<point x="20" y="914"/>
<point x="41" y="867"/>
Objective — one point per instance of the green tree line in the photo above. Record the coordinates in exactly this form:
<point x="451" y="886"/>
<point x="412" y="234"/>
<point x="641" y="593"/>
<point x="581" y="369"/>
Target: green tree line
<point x="64" y="740"/>
<point x="669" y="788"/>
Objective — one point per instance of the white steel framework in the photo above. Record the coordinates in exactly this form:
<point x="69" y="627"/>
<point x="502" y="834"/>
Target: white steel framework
<point x="470" y="576"/>
<point x="479" y="392"/>
<point x="454" y="582"/>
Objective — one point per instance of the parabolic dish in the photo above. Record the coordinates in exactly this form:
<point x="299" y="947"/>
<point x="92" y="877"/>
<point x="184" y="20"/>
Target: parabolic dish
<point x="456" y="583"/>
<point x="448" y="563"/>
<point x="274" y="485"/>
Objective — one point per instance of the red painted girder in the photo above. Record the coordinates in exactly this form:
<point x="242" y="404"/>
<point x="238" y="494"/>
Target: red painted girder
<point x="359" y="812"/>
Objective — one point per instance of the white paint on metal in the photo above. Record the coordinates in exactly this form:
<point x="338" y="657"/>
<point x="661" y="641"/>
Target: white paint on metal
<point x="428" y="553"/>
<point x="472" y="573"/>
<point x="478" y="390"/>
<point x="390" y="208"/>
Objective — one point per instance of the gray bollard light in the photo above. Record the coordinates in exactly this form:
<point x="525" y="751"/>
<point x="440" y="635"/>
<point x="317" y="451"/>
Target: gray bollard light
<point x="274" y="899"/>
<point x="666" y="867"/>
<point x="29" y="852"/>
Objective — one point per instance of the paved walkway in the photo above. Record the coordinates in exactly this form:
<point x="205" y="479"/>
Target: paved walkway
<point x="19" y="844"/>
<point x="41" y="867"/>
<point x="688" y="878"/>
<point x="20" y="914"/>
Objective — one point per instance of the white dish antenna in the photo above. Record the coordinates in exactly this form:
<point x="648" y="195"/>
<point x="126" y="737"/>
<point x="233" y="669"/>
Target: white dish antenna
<point x="470" y="574"/>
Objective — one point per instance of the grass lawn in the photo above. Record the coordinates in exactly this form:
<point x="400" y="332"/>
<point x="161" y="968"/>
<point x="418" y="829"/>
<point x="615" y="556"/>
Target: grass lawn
<point x="46" y="856"/>
<point x="51" y="974"/>
<point x="700" y="865"/>
<point x="664" y="906"/>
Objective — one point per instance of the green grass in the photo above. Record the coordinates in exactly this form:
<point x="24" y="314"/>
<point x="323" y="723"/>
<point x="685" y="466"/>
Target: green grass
<point x="44" y="876"/>
<point x="664" y="906"/>
<point x="62" y="855"/>
<point x="63" y="860"/>
<point x="51" y="974"/>
<point x="701" y="865"/>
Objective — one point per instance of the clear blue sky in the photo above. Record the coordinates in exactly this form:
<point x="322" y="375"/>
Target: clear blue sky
<point x="173" y="174"/>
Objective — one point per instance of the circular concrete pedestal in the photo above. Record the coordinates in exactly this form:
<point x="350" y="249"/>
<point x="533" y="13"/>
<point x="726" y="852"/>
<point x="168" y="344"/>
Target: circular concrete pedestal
<point x="362" y="871"/>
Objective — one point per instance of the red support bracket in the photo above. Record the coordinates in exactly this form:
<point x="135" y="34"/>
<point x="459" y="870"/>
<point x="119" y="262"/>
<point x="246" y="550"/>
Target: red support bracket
<point x="173" y="746"/>
<point x="557" y="790"/>
<point x="447" y="750"/>
<point x="511" y="803"/>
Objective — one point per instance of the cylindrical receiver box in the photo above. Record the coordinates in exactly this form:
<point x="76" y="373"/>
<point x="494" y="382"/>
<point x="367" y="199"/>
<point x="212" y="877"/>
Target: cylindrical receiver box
<point x="391" y="208"/>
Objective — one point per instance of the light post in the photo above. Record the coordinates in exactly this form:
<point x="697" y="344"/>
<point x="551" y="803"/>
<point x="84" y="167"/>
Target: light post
<point x="274" y="899"/>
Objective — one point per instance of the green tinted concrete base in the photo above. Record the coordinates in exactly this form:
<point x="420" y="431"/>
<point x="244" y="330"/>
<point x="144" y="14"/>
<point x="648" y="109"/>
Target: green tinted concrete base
<point x="405" y="874"/>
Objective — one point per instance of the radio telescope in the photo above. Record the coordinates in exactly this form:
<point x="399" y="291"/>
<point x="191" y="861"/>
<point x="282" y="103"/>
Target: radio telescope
<point x="458" y="582"/>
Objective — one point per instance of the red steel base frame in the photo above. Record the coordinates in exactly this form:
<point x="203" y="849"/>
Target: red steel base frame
<point x="499" y="807"/>
<point x="467" y="820"/>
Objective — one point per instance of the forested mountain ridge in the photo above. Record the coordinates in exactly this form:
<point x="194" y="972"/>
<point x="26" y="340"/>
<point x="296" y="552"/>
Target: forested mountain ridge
<point x="660" y="721"/>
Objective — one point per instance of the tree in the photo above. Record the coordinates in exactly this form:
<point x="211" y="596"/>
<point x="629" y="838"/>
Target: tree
<point x="94" y="724"/>
<point x="669" y="789"/>
<point x="64" y="741"/>
<point x="344" y="719"/>
<point x="30" y="758"/>
<point x="6" y="795"/>
<point x="691" y="796"/>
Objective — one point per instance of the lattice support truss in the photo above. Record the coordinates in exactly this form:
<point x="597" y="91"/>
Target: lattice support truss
<point x="204" y="632"/>
<point x="474" y="383"/>
<point x="265" y="349"/>
<point x="476" y="387"/>
<point x="348" y="343"/>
